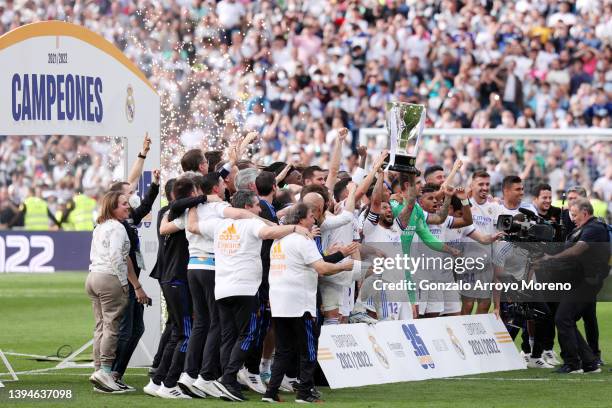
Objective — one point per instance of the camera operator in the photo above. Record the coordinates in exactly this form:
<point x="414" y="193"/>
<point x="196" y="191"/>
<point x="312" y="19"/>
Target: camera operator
<point x="541" y="204"/>
<point x="512" y="262"/>
<point x="588" y="246"/>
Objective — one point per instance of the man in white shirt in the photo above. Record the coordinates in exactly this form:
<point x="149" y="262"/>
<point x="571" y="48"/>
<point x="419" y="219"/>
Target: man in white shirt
<point x="295" y="265"/>
<point x="484" y="216"/>
<point x="238" y="274"/>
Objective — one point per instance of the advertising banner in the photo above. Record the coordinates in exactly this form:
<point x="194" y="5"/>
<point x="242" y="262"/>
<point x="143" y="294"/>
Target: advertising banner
<point x="393" y="351"/>
<point x="41" y="251"/>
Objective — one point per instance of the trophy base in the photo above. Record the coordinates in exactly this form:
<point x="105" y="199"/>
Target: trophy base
<point x="404" y="164"/>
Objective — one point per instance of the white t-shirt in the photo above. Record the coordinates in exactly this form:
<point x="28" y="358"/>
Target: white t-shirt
<point x="331" y="227"/>
<point x="199" y="246"/>
<point x="237" y="249"/>
<point x="343" y="234"/>
<point x="293" y="283"/>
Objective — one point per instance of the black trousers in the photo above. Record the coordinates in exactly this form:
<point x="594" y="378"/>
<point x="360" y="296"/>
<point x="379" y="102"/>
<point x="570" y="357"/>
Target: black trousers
<point x="548" y="337"/>
<point x="238" y="317"/>
<point x="542" y="328"/>
<point x="264" y="319"/>
<point x="291" y="334"/>
<point x="203" y="350"/>
<point x="575" y="351"/>
<point x="165" y="336"/>
<point x="178" y="302"/>
<point x="131" y="330"/>
<point x="591" y="329"/>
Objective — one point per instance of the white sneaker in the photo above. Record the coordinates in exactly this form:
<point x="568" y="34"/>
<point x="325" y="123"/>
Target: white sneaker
<point x="171" y="393"/>
<point x="526" y="357"/>
<point x="151" y="389"/>
<point x="287" y="384"/>
<point x="207" y="387"/>
<point x="185" y="382"/>
<point x="362" y="317"/>
<point x="538" y="363"/>
<point x="253" y="381"/>
<point x="104" y="381"/>
<point x="104" y="391"/>
<point x="550" y="357"/>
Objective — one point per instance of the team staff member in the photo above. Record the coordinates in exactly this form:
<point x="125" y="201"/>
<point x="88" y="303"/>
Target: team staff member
<point x="132" y="324"/>
<point x="266" y="184"/>
<point x="173" y="281"/>
<point x="238" y="276"/>
<point x="107" y="286"/>
<point x="589" y="246"/>
<point x="295" y="265"/>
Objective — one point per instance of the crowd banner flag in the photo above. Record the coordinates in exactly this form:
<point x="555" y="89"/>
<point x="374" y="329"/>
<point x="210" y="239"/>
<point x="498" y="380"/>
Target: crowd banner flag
<point x="61" y="78"/>
<point x="410" y="350"/>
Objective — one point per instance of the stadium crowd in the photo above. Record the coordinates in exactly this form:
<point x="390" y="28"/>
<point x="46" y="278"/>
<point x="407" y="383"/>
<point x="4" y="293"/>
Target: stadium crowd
<point x="296" y="71"/>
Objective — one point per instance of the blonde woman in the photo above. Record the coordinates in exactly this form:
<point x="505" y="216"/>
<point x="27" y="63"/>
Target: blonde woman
<point x="107" y="286"/>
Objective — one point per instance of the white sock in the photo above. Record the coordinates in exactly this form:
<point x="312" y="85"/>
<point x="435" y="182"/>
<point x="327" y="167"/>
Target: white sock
<point x="265" y="365"/>
<point x="531" y="341"/>
<point x="330" y="320"/>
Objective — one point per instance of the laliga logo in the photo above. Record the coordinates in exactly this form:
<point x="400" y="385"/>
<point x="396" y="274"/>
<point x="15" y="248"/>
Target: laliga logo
<point x="420" y="350"/>
<point x="456" y="344"/>
<point x="130" y="105"/>
<point x="143" y="184"/>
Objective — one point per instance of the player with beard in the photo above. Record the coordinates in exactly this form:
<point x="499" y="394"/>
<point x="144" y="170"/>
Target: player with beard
<point x="383" y="231"/>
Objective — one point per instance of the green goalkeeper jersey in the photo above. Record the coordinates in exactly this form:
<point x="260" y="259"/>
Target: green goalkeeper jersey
<point x="416" y="224"/>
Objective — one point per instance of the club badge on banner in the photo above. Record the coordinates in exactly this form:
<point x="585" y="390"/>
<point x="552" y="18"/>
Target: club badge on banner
<point x="357" y="354"/>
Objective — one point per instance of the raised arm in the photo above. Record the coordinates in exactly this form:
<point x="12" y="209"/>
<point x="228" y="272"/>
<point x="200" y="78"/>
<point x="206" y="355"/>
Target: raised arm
<point x="409" y="197"/>
<point x="442" y="214"/>
<point x="367" y="181"/>
<point x="466" y="218"/>
<point x="149" y="199"/>
<point x="334" y="164"/>
<point x="376" y="198"/>
<point x="138" y="165"/>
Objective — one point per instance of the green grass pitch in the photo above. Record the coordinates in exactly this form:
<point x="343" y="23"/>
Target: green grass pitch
<point x="41" y="312"/>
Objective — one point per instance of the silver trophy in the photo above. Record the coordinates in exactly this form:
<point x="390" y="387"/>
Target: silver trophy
<point x="405" y="123"/>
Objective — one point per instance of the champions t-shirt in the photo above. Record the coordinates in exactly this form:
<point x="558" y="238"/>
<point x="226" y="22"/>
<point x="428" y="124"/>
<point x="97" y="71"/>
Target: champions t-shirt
<point x="237" y="249"/>
<point x="293" y="282"/>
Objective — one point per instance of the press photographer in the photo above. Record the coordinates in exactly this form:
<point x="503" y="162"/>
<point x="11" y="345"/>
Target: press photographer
<point x="513" y="261"/>
<point x="588" y="249"/>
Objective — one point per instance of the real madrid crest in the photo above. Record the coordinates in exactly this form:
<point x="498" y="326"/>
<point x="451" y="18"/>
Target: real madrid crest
<point x="130" y="104"/>
<point x="456" y="343"/>
<point x="379" y="352"/>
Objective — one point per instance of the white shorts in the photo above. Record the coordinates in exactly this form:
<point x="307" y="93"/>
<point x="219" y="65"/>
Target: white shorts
<point x="438" y="301"/>
<point x="348" y="301"/>
<point x="485" y="275"/>
<point x="332" y="295"/>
